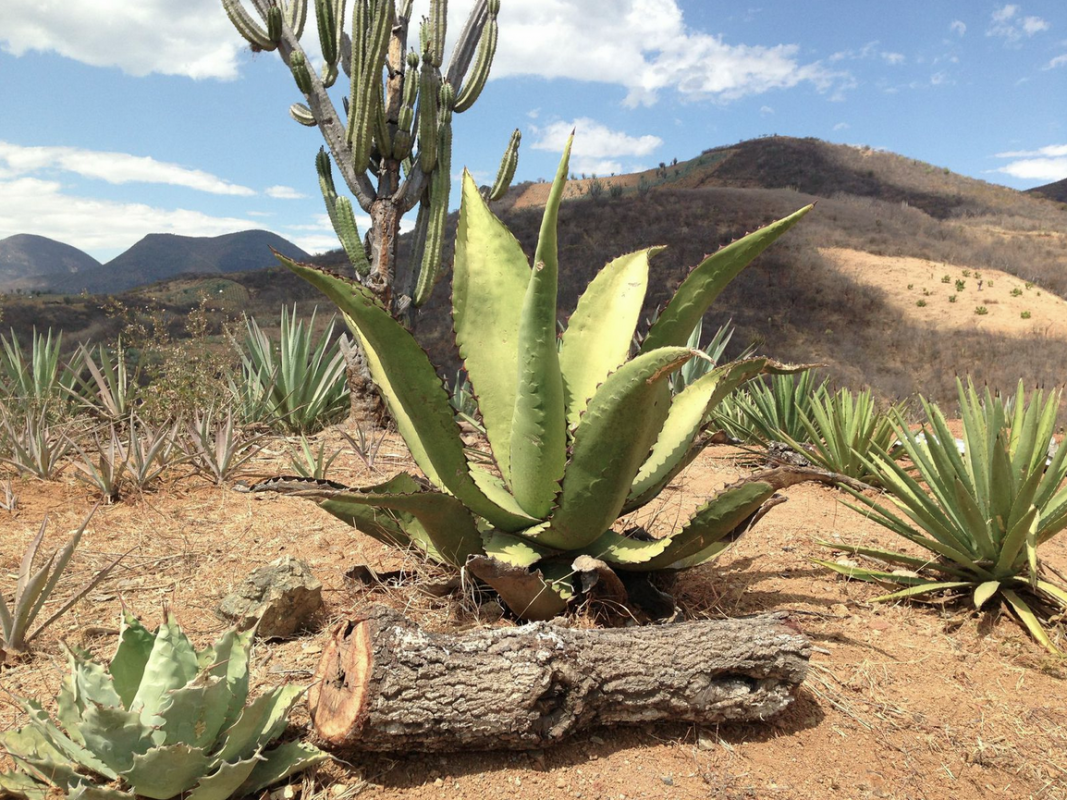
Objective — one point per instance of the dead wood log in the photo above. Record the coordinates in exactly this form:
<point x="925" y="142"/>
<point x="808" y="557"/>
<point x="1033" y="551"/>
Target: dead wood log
<point x="383" y="684"/>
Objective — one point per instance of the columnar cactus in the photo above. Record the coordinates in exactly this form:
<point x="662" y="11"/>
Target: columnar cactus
<point x="392" y="144"/>
<point x="161" y="720"/>
<point x="581" y="434"/>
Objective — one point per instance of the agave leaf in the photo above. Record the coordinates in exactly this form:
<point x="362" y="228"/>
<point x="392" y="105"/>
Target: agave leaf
<point x="32" y="745"/>
<point x="923" y="588"/>
<point x="512" y="549"/>
<point x="165" y="772"/>
<point x="116" y="735"/>
<point x="1056" y="593"/>
<point x="600" y="330"/>
<point x="446" y="529"/>
<point x="261" y="721"/>
<point x="91" y="683"/>
<point x="611" y="443"/>
<point x="538" y="426"/>
<point x="541" y="594"/>
<point x="706" y="282"/>
<point x="1029" y="619"/>
<point x="131" y="657"/>
<point x="224" y="782"/>
<point x="1015" y="541"/>
<point x="171" y="664"/>
<point x="489" y="282"/>
<point x="195" y="713"/>
<point x="684" y="421"/>
<point x="893" y="557"/>
<point x="87" y="792"/>
<point x="984" y="591"/>
<point x="626" y="551"/>
<point x="416" y="398"/>
<point x="19" y="784"/>
<point x="58" y="740"/>
<point x="228" y="658"/>
<point x="281" y="762"/>
<point x="717" y="522"/>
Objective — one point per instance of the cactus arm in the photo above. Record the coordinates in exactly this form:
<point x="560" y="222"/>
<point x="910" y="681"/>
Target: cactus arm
<point x="683" y="423"/>
<point x="413" y="392"/>
<point x="601" y="328"/>
<point x="508" y="164"/>
<point x="707" y="280"/>
<point x="249" y="29"/>
<point x="302" y="114"/>
<point x="489" y="280"/>
<point x="467" y="43"/>
<point x="428" y="114"/>
<point x="295" y="16"/>
<point x="341" y="217"/>
<point x="539" y="429"/>
<point x="476" y="80"/>
<point x="610" y="444"/>
<point x="440" y="190"/>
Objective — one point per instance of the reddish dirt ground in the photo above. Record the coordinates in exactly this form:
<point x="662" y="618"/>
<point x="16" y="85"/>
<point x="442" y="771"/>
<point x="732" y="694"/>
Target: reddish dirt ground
<point x="902" y="701"/>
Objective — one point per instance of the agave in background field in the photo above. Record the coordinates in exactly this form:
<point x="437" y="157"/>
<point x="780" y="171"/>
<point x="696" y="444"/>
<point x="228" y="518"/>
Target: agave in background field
<point x="982" y="513"/>
<point x="580" y="435"/>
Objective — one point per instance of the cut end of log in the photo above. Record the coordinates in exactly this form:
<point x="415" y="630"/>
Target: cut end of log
<point x="338" y="696"/>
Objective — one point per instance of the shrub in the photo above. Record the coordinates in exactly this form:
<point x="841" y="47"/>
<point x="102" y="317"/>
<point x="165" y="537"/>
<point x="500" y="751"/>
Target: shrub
<point x="771" y="410"/>
<point x="981" y="310"/>
<point x="982" y="513"/>
<point x="960" y="284"/>
<point x="1024" y="315"/>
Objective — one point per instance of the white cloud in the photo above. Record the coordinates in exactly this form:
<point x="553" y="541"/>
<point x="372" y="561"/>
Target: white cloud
<point x="1007" y="24"/>
<point x="766" y="111"/>
<point x="643" y="46"/>
<point x="842" y="126"/>
<point x="958" y="27"/>
<point x="115" y="168"/>
<point x="283" y="193"/>
<point x="893" y="58"/>
<point x="32" y="205"/>
<point x="596" y="147"/>
<point x="193" y="38"/>
<point x="1058" y="61"/>
<point x="1045" y="164"/>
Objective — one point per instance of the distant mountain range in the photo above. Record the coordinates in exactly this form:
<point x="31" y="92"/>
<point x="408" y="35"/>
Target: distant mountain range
<point x="29" y="262"/>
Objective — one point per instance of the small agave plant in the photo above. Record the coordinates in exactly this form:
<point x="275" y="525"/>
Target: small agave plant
<point x="162" y="720"/>
<point x="580" y="435"/>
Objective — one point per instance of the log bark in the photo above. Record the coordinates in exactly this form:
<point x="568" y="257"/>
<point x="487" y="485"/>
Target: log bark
<point x="383" y="684"/>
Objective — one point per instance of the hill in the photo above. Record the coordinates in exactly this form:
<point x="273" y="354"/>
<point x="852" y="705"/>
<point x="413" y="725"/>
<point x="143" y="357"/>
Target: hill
<point x="29" y="262"/>
<point x="866" y="285"/>
<point x="160" y="256"/>
<point x="1053" y="191"/>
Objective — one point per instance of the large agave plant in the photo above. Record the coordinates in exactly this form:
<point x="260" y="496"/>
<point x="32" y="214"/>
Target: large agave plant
<point x="162" y="720"/>
<point x="580" y="435"/>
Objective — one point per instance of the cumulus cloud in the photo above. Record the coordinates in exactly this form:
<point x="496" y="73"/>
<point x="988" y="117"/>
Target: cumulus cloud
<point x="283" y="193"/>
<point x="1045" y="164"/>
<point x="116" y="168"/>
<point x="193" y="38"/>
<point x="958" y="27"/>
<point x="597" y="149"/>
<point x="42" y="207"/>
<point x="1007" y="23"/>
<point x="644" y="46"/>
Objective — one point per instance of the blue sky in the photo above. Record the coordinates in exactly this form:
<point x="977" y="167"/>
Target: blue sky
<point x="122" y="119"/>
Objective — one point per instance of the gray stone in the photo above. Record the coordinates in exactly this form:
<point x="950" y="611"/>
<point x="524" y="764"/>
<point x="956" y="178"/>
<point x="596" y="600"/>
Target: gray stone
<point x="283" y="596"/>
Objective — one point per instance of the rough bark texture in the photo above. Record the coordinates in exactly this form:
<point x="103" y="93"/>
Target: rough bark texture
<point x="385" y="685"/>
